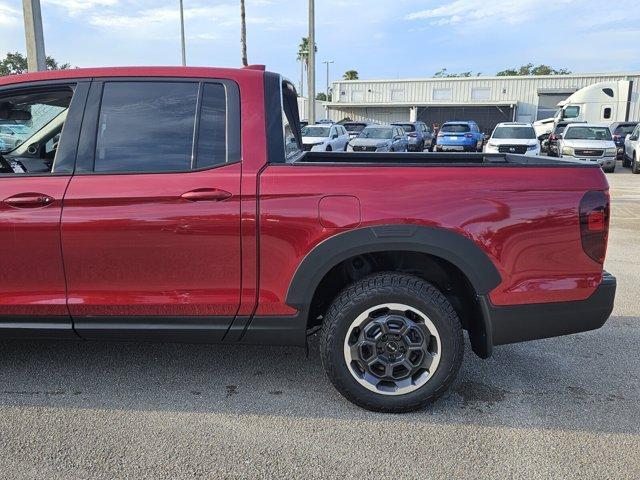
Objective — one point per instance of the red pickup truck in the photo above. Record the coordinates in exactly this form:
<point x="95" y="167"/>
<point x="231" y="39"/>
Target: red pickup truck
<point x="177" y="204"/>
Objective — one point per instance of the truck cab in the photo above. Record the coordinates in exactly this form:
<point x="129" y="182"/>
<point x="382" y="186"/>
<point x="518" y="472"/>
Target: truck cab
<point x="604" y="102"/>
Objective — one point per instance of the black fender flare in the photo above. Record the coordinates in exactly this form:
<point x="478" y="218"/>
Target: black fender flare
<point x="453" y="247"/>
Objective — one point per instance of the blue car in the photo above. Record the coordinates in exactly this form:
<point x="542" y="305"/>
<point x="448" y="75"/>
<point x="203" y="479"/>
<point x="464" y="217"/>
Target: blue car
<point x="460" y="136"/>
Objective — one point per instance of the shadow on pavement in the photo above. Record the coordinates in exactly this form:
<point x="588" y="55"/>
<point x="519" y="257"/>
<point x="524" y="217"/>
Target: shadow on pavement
<point x="586" y="382"/>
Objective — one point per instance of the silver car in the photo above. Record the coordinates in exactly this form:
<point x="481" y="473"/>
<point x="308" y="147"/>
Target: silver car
<point x="13" y="134"/>
<point x="380" y="138"/>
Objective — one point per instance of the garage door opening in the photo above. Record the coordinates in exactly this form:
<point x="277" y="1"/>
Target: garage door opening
<point x="487" y="117"/>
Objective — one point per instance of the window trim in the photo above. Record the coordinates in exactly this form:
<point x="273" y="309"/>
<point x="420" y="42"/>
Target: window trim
<point x="63" y="166"/>
<point x="85" y="162"/>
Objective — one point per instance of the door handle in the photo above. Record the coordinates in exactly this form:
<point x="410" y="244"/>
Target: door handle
<point x="206" y="195"/>
<point x="29" y="200"/>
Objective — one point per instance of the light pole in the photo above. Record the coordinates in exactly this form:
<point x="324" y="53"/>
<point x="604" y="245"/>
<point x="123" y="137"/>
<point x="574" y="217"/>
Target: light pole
<point x="182" y="41"/>
<point x="327" y="63"/>
<point x="311" y="74"/>
<point x="36" y="58"/>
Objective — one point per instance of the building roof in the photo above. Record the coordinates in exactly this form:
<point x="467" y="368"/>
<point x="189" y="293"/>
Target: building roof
<point x="493" y="77"/>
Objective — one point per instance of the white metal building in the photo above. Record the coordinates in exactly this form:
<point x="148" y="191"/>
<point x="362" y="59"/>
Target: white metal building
<point x="487" y="100"/>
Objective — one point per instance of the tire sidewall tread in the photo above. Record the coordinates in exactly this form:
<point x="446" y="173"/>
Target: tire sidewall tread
<point x="391" y="287"/>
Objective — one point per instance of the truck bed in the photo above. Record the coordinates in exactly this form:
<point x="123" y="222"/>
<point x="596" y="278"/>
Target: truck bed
<point x="434" y="159"/>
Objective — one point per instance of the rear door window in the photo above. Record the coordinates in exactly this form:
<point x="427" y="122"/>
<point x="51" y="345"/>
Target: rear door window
<point x="146" y="127"/>
<point x="157" y="126"/>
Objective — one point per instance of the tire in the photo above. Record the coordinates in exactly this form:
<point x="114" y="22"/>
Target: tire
<point x="635" y="168"/>
<point x="329" y="149"/>
<point x="391" y="302"/>
<point x="626" y="163"/>
<point x="610" y="170"/>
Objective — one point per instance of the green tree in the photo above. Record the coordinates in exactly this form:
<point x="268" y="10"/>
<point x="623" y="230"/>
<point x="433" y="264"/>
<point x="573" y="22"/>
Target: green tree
<point x="303" y="51"/>
<point x="351" y="75"/>
<point x="16" y="63"/>
<point x="323" y="96"/>
<point x="530" y="69"/>
<point x="445" y="74"/>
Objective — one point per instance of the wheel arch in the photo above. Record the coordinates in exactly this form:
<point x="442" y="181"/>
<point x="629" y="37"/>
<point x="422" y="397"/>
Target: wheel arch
<point x="442" y="243"/>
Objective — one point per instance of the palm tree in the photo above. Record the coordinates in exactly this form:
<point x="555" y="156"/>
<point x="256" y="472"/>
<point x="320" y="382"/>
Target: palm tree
<point x="303" y="58"/>
<point x="350" y="75"/>
<point x="243" y="33"/>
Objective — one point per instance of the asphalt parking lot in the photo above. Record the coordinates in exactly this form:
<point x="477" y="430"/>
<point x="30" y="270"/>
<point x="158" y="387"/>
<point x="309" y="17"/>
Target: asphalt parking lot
<point x="558" y="408"/>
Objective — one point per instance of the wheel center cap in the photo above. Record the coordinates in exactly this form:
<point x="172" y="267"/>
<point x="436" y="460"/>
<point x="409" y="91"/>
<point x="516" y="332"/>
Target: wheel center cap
<point x="392" y="347"/>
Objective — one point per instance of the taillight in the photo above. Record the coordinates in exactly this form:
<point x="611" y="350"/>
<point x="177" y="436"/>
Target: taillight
<point x="468" y="135"/>
<point x="594" y="224"/>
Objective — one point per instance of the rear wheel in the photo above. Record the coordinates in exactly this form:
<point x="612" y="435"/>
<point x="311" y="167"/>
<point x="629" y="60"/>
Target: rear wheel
<point x="635" y="168"/>
<point x="626" y="163"/>
<point x="391" y="342"/>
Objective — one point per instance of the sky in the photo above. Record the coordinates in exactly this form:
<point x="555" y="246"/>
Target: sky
<point x="378" y="38"/>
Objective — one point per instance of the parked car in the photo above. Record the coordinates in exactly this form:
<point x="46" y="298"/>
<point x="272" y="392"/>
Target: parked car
<point x="513" y="137"/>
<point x="588" y="143"/>
<point x="224" y="237"/>
<point x="380" y="138"/>
<point x="419" y="134"/>
<point x="619" y="131"/>
<point x="460" y="136"/>
<point x="13" y="134"/>
<point x="354" y="128"/>
<point x="554" y="138"/>
<point x="632" y="150"/>
<point x="325" y="138"/>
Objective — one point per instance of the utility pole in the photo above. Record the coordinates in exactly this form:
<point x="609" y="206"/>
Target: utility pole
<point x="311" y="73"/>
<point x="243" y="33"/>
<point x="327" y="63"/>
<point x="36" y="58"/>
<point x="182" y="40"/>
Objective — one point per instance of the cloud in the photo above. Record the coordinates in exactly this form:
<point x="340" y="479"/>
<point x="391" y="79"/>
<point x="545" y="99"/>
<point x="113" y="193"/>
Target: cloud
<point x="9" y="16"/>
<point x="489" y="12"/>
<point x="77" y="7"/>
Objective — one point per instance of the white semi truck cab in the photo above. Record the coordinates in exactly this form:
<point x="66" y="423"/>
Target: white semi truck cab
<point x="604" y="102"/>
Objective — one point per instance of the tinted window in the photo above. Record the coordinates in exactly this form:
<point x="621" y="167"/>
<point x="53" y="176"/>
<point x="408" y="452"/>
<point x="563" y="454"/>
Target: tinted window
<point x="212" y="132"/>
<point x="376" y="132"/>
<point x="624" y="129"/>
<point x="514" y="132"/>
<point x="571" y="112"/>
<point x="355" y="127"/>
<point x="146" y="127"/>
<point x="587" y="133"/>
<point x="455" y="127"/>
<point x="408" y="127"/>
<point x="314" y="131"/>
